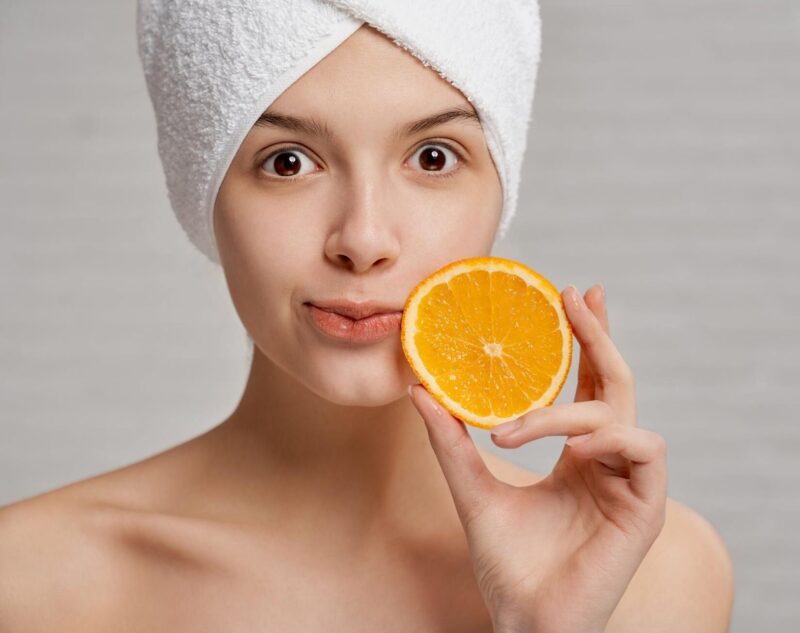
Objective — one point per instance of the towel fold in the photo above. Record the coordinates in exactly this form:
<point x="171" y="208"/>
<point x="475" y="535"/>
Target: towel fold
<point x="212" y="67"/>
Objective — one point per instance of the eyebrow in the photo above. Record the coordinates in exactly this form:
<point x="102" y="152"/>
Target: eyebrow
<point x="314" y="127"/>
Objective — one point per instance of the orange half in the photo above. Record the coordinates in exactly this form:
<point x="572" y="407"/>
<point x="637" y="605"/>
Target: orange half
<point x="489" y="338"/>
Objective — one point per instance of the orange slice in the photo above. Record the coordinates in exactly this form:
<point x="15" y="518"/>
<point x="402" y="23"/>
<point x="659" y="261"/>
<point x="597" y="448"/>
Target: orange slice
<point x="488" y="338"/>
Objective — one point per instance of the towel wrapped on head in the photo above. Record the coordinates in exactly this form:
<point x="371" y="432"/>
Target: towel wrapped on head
<point x="212" y="67"/>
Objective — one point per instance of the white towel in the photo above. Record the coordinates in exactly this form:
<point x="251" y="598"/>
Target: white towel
<point x="213" y="66"/>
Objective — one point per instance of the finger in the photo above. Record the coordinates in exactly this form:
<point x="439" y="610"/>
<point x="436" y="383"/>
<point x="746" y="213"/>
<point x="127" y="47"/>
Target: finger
<point x="595" y="299"/>
<point x="469" y="480"/>
<point x="613" y="378"/>
<point x="645" y="449"/>
<point x="557" y="419"/>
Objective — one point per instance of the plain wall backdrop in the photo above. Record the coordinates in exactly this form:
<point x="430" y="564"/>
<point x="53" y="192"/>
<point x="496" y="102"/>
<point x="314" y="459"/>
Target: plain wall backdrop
<point x="663" y="160"/>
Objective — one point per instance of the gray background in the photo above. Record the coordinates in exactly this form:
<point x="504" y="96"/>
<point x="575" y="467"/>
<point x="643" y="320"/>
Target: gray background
<point x="663" y="160"/>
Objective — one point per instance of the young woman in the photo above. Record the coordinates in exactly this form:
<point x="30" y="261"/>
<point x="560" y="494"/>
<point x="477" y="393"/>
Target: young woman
<point x="329" y="500"/>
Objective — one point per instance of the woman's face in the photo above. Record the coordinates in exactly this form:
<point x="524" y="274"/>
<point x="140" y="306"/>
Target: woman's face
<point x="362" y="211"/>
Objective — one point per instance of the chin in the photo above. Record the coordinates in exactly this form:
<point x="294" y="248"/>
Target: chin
<point x="375" y="386"/>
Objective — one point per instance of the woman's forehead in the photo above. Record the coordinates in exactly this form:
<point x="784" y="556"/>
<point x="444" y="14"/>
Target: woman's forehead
<point x="370" y="68"/>
<point x="319" y="126"/>
<point x="368" y="87"/>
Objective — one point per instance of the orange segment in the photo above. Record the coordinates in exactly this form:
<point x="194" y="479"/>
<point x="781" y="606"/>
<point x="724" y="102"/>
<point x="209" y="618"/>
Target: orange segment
<point x="489" y="338"/>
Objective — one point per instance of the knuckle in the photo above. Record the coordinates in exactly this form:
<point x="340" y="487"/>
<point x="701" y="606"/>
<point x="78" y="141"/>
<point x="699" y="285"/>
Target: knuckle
<point x="627" y="371"/>
<point x="605" y="411"/>
<point x="611" y="378"/>
<point x="623" y="375"/>
<point x="620" y="432"/>
<point x="614" y="434"/>
<point x="659" y="443"/>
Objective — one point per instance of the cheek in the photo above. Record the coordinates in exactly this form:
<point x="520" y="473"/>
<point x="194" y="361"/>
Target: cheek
<point x="262" y="262"/>
<point x="465" y="218"/>
<point x="255" y="231"/>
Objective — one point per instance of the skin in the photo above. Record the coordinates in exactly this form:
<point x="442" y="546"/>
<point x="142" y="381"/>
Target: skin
<point x="325" y="499"/>
<point x="593" y="518"/>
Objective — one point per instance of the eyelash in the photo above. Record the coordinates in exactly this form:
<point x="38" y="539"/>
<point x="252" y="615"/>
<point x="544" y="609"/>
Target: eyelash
<point x="446" y="174"/>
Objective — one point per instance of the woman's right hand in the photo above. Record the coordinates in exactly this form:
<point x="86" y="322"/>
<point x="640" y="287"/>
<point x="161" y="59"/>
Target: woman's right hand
<point x="556" y="556"/>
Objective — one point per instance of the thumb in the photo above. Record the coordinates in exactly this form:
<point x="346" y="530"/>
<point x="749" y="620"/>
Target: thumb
<point x="469" y="480"/>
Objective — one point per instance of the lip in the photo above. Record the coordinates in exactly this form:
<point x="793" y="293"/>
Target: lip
<point x="377" y="323"/>
<point x="355" y="310"/>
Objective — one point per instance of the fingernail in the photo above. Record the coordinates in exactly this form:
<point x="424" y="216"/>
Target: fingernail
<point x="506" y="428"/>
<point x="578" y="439"/>
<point x="577" y="300"/>
<point x="602" y="291"/>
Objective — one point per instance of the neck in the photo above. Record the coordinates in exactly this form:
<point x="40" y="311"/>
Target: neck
<point x="286" y="454"/>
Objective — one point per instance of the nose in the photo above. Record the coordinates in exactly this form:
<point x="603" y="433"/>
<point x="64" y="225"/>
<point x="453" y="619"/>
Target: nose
<point x="365" y="233"/>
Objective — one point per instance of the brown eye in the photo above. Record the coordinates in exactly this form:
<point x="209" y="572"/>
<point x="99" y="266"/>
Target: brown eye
<point x="287" y="163"/>
<point x="435" y="158"/>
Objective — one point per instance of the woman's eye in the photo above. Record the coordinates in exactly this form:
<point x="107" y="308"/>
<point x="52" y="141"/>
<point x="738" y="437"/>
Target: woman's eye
<point x="287" y="163"/>
<point x="435" y="158"/>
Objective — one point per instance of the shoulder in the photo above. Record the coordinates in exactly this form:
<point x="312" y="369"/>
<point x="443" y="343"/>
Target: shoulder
<point x="52" y="558"/>
<point x="69" y="556"/>
<point x="685" y="582"/>
<point x="85" y="556"/>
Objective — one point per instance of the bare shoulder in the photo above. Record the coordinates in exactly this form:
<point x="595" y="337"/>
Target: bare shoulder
<point x="68" y="555"/>
<point x="52" y="558"/>
<point x="685" y="582"/>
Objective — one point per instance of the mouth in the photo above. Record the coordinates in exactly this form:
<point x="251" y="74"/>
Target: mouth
<point x="354" y="310"/>
<point x="361" y="323"/>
